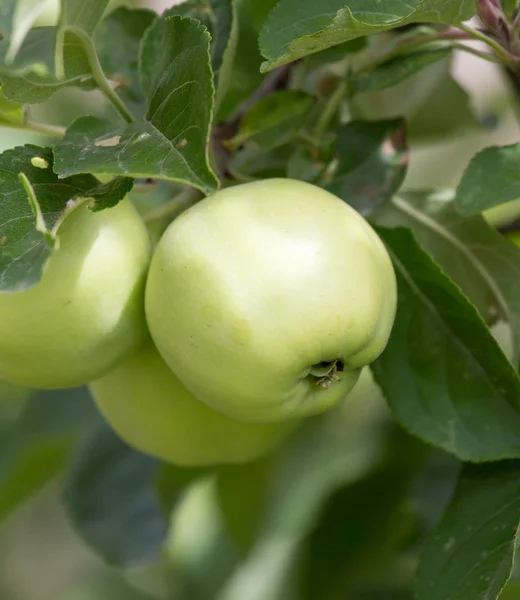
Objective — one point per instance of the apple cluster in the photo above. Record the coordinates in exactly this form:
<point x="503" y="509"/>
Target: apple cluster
<point x="259" y="306"/>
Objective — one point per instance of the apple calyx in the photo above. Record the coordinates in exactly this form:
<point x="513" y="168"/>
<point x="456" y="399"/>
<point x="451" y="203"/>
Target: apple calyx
<point x="325" y="372"/>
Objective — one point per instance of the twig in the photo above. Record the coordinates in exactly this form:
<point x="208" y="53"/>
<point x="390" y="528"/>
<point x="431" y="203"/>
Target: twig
<point x="44" y="128"/>
<point x="99" y="76"/>
<point x="485" y="55"/>
<point x="507" y="57"/>
<point x="331" y="108"/>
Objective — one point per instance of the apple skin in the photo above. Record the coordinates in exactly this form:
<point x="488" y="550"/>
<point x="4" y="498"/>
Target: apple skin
<point x="87" y="311"/>
<point x="251" y="290"/>
<point x="152" y="411"/>
<point x="502" y="214"/>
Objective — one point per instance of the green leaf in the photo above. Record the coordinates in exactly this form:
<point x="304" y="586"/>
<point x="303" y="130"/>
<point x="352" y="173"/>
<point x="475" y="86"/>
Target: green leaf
<point x="444" y="375"/>
<point x="34" y="448"/>
<point x="172" y="141"/>
<point x="433" y="104"/>
<point x="509" y="7"/>
<point x="470" y="555"/>
<point x="216" y="16"/>
<point x="29" y="78"/>
<point x="117" y="41"/>
<point x="274" y="120"/>
<point x="434" y="487"/>
<point x="246" y="76"/>
<point x="110" y="499"/>
<point x="7" y="8"/>
<point x="304" y="165"/>
<point x="76" y="26"/>
<point x="395" y="70"/>
<point x="482" y="262"/>
<point x="52" y="58"/>
<point x="259" y="11"/>
<point x="33" y="204"/>
<point x="372" y="159"/>
<point x="220" y="19"/>
<point x="364" y="545"/>
<point x="490" y="179"/>
<point x="296" y="28"/>
<point x="446" y="111"/>
<point x="338" y="52"/>
<point x="27" y="12"/>
<point x="107" y="195"/>
<point x="251" y="162"/>
<point x="511" y="591"/>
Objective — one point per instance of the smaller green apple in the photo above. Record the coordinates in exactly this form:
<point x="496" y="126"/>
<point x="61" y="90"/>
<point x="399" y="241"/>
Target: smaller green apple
<point x="152" y="411"/>
<point x="87" y="311"/>
<point x="503" y="214"/>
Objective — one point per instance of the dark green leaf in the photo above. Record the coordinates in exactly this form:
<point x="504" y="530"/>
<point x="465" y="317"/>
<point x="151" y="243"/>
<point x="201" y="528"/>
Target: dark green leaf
<point x="395" y="70"/>
<point x="110" y="498"/>
<point x="34" y="448"/>
<point x="27" y="14"/>
<point x="33" y="204"/>
<point x="274" y="120"/>
<point x="296" y="28"/>
<point x="329" y="452"/>
<point x="372" y="159"/>
<point x="366" y="524"/>
<point x="482" y="262"/>
<point x="220" y="19"/>
<point x="303" y="164"/>
<point x="117" y="41"/>
<point x="246" y="76"/>
<point x="51" y="58"/>
<point x="259" y="11"/>
<point x="490" y="179"/>
<point x="338" y="52"/>
<point x="511" y="591"/>
<point x="171" y="142"/>
<point x="7" y="8"/>
<point x="107" y="195"/>
<point x="509" y="7"/>
<point x="445" y="112"/>
<point x="470" y="555"/>
<point x="434" y="487"/>
<point x="12" y="32"/>
<point x="76" y="26"/>
<point x="216" y="16"/>
<point x="30" y="77"/>
<point x="251" y="162"/>
<point x="444" y="375"/>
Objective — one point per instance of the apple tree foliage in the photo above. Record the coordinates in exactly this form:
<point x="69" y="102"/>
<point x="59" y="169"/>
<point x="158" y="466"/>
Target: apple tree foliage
<point x="411" y="488"/>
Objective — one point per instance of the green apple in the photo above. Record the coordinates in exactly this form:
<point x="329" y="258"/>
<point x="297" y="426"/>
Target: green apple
<point x="151" y="410"/>
<point x="87" y="311"/>
<point x="503" y="214"/>
<point x="268" y="298"/>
